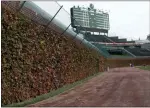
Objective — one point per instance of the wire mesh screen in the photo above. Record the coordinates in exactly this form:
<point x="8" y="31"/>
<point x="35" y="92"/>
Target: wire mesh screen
<point x="56" y="18"/>
<point x="35" y="13"/>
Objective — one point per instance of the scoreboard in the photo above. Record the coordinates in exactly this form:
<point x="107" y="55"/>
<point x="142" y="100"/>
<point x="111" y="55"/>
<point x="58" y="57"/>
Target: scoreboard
<point x="89" y="18"/>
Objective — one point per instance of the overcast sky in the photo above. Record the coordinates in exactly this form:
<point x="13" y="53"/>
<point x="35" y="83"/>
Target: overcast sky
<point x="128" y="19"/>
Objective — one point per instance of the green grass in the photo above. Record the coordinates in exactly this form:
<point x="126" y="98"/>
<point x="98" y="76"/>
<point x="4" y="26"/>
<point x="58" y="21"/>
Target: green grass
<point x="145" y="68"/>
<point x="51" y="93"/>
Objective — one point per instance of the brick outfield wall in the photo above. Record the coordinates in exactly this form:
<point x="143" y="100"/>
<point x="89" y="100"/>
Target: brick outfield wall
<point x="31" y="59"/>
<point x="113" y="63"/>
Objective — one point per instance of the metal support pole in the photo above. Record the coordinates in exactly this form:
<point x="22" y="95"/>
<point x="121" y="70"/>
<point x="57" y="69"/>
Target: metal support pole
<point x="65" y="30"/>
<point x="75" y="36"/>
<point x="81" y="40"/>
<point x="21" y="6"/>
<point x="83" y="37"/>
<point x="53" y="17"/>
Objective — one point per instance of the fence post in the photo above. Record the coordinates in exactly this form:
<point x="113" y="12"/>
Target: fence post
<point x="65" y="30"/>
<point x="53" y="17"/>
<point x="81" y="40"/>
<point x="75" y="36"/>
<point x="83" y="36"/>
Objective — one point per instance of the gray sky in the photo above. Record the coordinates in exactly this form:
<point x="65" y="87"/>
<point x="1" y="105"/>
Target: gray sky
<point x="128" y="19"/>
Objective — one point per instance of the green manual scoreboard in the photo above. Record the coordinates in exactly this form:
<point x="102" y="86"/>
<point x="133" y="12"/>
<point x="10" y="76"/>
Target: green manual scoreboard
<point x="90" y="19"/>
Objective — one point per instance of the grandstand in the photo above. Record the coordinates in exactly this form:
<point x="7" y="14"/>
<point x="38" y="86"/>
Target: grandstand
<point x="122" y="50"/>
<point x="146" y="46"/>
<point x="138" y="51"/>
<point x="115" y="39"/>
<point x="104" y="38"/>
<point x="109" y="46"/>
<point x="111" y="51"/>
<point x="97" y="38"/>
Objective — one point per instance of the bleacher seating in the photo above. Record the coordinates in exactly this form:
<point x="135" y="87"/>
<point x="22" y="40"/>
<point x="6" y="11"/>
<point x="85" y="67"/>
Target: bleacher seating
<point x="115" y="51"/>
<point x="100" y="47"/>
<point x="139" y="51"/>
<point x="104" y="38"/>
<point x="122" y="40"/>
<point x="111" y="51"/>
<point x="130" y="41"/>
<point x="97" y="38"/>
<point x="115" y="39"/>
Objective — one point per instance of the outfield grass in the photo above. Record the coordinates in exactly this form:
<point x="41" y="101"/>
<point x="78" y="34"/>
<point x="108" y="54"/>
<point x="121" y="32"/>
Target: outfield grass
<point x="52" y="93"/>
<point x="145" y="67"/>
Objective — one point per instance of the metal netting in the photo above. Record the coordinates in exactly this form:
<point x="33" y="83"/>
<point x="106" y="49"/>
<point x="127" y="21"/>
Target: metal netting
<point x="52" y="20"/>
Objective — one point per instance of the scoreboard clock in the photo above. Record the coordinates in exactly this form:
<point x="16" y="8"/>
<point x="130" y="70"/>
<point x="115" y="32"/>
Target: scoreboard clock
<point x="89" y="18"/>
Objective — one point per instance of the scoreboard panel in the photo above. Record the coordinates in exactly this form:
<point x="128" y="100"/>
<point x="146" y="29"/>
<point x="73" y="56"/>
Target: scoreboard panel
<point x="89" y="18"/>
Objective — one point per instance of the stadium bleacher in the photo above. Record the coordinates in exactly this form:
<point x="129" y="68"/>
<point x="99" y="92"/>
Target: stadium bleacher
<point x="130" y="41"/>
<point x="100" y="47"/>
<point x="111" y="51"/>
<point x="139" y="51"/>
<point x="122" y="40"/>
<point x="130" y="51"/>
<point x="104" y="38"/>
<point x="97" y="38"/>
<point x="115" y="39"/>
<point x="115" y="51"/>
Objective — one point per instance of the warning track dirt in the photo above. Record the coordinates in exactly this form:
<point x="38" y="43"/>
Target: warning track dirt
<point x="118" y="87"/>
